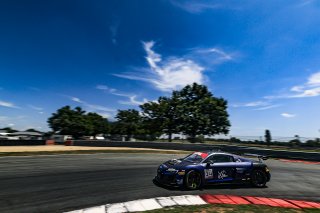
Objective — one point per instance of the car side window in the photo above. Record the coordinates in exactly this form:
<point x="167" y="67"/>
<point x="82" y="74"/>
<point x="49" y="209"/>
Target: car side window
<point x="220" y="159"/>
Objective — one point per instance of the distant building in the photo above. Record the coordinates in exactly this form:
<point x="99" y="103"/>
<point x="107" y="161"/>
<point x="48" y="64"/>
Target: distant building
<point x="27" y="135"/>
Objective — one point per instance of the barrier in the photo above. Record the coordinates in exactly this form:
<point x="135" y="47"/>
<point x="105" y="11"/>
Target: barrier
<point x="22" y="142"/>
<point x="298" y="155"/>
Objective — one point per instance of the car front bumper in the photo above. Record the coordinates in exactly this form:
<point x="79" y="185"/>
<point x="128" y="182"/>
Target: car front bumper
<point x="169" y="178"/>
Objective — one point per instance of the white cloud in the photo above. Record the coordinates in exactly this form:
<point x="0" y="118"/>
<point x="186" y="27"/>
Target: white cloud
<point x="132" y="98"/>
<point x="171" y="74"/>
<point x="75" y="99"/>
<point x="35" y="107"/>
<point x="288" y="115"/>
<point x="106" y="88"/>
<point x="213" y="55"/>
<point x="262" y="105"/>
<point x="309" y="89"/>
<point x="195" y="6"/>
<point x="133" y="101"/>
<point x="268" y="107"/>
<point x="92" y="106"/>
<point x="114" y="31"/>
<point x="252" y="104"/>
<point x="314" y="79"/>
<point x="8" y="104"/>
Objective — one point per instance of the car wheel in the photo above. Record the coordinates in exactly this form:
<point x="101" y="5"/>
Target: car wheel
<point x="193" y="180"/>
<point x="258" y="178"/>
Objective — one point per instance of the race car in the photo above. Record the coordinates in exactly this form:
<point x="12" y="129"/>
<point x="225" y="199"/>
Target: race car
<point x="202" y="168"/>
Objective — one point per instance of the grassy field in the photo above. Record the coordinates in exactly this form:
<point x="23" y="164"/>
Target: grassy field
<point x="225" y="208"/>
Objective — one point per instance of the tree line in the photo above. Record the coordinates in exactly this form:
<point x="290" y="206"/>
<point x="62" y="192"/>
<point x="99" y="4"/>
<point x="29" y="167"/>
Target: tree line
<point x="192" y="111"/>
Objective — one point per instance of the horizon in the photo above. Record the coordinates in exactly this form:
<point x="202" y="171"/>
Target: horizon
<point x="262" y="57"/>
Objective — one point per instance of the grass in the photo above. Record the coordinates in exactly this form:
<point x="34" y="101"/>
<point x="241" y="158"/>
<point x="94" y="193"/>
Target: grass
<point x="226" y="208"/>
<point x="4" y="154"/>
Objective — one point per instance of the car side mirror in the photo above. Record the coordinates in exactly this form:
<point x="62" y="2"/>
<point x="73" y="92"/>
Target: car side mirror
<point x="209" y="162"/>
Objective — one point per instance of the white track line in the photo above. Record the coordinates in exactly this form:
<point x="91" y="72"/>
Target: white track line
<point x="145" y="204"/>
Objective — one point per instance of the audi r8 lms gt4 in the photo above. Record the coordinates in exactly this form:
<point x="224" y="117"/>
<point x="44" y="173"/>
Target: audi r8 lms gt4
<point x="202" y="168"/>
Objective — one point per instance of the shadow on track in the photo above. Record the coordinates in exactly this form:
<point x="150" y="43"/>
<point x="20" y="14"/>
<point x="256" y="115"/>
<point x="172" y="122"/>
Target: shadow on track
<point x="211" y="186"/>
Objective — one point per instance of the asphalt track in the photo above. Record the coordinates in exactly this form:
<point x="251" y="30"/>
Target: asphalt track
<point x="68" y="182"/>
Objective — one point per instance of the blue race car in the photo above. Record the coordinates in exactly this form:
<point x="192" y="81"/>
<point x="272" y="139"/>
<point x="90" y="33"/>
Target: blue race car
<point x="202" y="168"/>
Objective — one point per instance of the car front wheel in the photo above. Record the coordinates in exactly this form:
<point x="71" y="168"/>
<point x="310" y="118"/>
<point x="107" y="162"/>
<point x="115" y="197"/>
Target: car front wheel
<point x="258" y="178"/>
<point x="193" y="180"/>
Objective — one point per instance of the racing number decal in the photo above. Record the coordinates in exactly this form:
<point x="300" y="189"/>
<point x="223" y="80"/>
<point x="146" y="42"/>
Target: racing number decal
<point x="222" y="174"/>
<point x="208" y="173"/>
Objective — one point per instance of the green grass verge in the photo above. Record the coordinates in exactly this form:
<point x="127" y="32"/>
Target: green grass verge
<point x="4" y="154"/>
<point x="225" y="208"/>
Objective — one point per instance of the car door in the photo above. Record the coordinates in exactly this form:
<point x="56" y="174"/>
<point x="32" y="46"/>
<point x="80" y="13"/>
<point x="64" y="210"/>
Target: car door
<point x="219" y="168"/>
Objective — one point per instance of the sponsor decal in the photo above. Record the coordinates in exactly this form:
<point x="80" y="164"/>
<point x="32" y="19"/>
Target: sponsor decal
<point x="222" y="174"/>
<point x="208" y="173"/>
<point x="203" y="155"/>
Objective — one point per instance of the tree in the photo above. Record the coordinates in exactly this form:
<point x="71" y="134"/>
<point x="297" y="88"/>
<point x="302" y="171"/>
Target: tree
<point x="33" y="130"/>
<point x="76" y="122"/>
<point x="97" y="124"/>
<point x="162" y="116"/>
<point x="267" y="137"/>
<point x="201" y="113"/>
<point x="128" y="123"/>
<point x="9" y="130"/>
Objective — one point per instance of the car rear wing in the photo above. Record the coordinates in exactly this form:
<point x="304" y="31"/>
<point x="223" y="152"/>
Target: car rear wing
<point x="260" y="157"/>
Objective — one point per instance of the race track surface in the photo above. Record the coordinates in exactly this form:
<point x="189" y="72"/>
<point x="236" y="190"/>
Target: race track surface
<point x="68" y="182"/>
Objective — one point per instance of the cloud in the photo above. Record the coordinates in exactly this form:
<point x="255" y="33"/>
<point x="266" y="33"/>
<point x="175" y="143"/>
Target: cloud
<point x="75" y="99"/>
<point x="262" y="105"/>
<point x="314" y="79"/>
<point x="109" y="90"/>
<point x="252" y="104"/>
<point x="309" y="89"/>
<point x="132" y="98"/>
<point x="167" y="75"/>
<point x="114" y="31"/>
<point x="35" y="107"/>
<point x="269" y="107"/>
<point x="8" y="104"/>
<point x="212" y="55"/>
<point x="288" y="115"/>
<point x="195" y="6"/>
<point x="93" y="107"/>
<point x="133" y="101"/>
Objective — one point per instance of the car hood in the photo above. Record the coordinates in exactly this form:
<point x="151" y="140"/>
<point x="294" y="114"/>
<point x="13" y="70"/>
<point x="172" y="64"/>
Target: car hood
<point x="177" y="164"/>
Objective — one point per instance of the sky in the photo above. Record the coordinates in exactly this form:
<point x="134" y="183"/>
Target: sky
<point x="263" y="57"/>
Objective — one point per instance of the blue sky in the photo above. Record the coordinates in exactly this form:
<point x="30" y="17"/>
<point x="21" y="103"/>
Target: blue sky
<point x="262" y="56"/>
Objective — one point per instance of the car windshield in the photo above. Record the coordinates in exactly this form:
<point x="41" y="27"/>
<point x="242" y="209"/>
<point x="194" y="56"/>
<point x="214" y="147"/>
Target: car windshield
<point x="196" y="157"/>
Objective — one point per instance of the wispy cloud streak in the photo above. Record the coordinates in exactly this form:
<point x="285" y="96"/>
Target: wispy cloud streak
<point x="132" y="98"/>
<point x="167" y="75"/>
<point x="8" y="104"/>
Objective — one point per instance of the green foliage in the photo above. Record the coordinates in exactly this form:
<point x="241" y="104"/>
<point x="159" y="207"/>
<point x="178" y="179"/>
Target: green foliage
<point x="201" y="113"/>
<point x="97" y="124"/>
<point x="9" y="130"/>
<point x="76" y="122"/>
<point x="192" y="111"/>
<point x="33" y="130"/>
<point x="313" y="143"/>
<point x="129" y="123"/>
<point x="267" y="137"/>
<point x="162" y="116"/>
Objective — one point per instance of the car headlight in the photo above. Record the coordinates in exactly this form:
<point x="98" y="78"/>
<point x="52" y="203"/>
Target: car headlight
<point x="182" y="172"/>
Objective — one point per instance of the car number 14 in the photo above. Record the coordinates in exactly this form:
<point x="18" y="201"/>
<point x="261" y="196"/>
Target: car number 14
<point x="208" y="173"/>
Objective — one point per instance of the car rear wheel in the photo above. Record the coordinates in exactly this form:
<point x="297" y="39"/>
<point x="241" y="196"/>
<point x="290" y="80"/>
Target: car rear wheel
<point x="193" y="180"/>
<point x="258" y="178"/>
